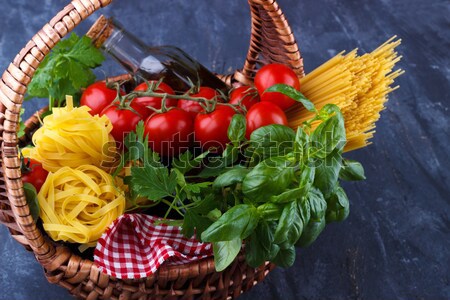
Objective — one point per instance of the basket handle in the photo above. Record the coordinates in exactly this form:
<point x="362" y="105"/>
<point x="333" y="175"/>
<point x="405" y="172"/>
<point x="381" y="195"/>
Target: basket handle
<point x="13" y="86"/>
<point x="271" y="41"/>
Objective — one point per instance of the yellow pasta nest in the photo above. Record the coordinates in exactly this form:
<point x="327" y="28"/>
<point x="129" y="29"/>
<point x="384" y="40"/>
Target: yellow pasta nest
<point x="77" y="205"/>
<point x="73" y="137"/>
<point x="359" y="85"/>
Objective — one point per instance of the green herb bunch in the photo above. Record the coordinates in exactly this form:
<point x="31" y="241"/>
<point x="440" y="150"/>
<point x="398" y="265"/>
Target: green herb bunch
<point x="268" y="194"/>
<point x="66" y="70"/>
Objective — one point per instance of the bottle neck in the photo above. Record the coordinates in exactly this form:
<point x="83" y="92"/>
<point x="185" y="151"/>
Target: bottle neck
<point x="125" y="47"/>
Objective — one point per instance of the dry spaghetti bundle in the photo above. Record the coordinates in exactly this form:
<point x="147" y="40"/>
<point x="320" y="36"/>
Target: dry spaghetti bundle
<point x="77" y="205"/>
<point x="72" y="137"/>
<point x="359" y="85"/>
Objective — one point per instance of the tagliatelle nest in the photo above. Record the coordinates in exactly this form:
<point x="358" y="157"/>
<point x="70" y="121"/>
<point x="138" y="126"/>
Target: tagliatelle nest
<point x="73" y="137"/>
<point x="77" y="205"/>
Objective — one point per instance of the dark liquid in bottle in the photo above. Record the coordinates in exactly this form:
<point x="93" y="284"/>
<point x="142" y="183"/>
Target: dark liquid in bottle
<point x="179" y="71"/>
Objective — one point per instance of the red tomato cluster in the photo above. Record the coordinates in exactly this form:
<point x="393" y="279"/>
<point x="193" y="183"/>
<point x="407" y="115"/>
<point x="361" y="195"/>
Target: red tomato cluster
<point x="171" y="129"/>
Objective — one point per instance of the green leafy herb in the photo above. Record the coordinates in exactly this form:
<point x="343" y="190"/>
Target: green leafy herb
<point x="238" y="222"/>
<point x="294" y="94"/>
<point x="66" y="70"/>
<point x="270" y="177"/>
<point x="258" y="248"/>
<point x="230" y="177"/>
<point x="351" y="171"/>
<point x="21" y="131"/>
<point x="236" y="130"/>
<point x="272" y="192"/>
<point x="338" y="206"/>
<point x="225" y="252"/>
<point x="153" y="182"/>
<point x="270" y="141"/>
<point x="32" y="200"/>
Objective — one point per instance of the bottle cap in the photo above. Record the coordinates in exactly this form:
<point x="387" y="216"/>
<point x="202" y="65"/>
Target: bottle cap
<point x="100" y="31"/>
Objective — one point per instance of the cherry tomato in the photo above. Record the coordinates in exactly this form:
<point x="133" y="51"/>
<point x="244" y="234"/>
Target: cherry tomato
<point x="97" y="96"/>
<point x="263" y="114"/>
<point x="34" y="173"/>
<point x="245" y="95"/>
<point x="272" y="74"/>
<point x="193" y="107"/>
<point x="211" y="129"/>
<point x="155" y="102"/>
<point x="123" y="120"/>
<point x="169" y="133"/>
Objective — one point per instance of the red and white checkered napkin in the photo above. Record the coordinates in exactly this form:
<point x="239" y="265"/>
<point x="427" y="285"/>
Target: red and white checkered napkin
<point x="134" y="247"/>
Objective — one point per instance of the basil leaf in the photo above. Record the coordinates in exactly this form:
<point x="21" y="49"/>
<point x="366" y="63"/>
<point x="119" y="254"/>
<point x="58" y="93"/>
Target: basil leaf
<point x="270" y="211"/>
<point x="290" y="226"/>
<point x="351" y="171"/>
<point x="272" y="140"/>
<point x="317" y="204"/>
<point x="301" y="144"/>
<point x="327" y="173"/>
<point x="287" y="196"/>
<point x="306" y="180"/>
<point x="304" y="210"/>
<point x="225" y="252"/>
<point x="230" y="177"/>
<point x="329" y="135"/>
<point x="293" y="94"/>
<point x="285" y="257"/>
<point x="311" y="232"/>
<point x="258" y="248"/>
<point x="236" y="130"/>
<point x="285" y="222"/>
<point x="32" y="200"/>
<point x="238" y="222"/>
<point x="338" y="206"/>
<point x="270" y="177"/>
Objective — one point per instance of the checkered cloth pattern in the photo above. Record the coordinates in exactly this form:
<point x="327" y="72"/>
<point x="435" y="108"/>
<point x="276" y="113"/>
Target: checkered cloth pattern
<point x="135" y="247"/>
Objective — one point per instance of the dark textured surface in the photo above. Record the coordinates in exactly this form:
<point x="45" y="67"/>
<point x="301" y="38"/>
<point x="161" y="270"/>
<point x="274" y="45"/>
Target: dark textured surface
<point x="396" y="242"/>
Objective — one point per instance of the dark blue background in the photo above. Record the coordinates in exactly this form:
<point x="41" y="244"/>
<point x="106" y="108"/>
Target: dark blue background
<point x="395" y="243"/>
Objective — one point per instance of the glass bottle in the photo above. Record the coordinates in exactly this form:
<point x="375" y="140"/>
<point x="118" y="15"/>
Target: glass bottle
<point x="178" y="69"/>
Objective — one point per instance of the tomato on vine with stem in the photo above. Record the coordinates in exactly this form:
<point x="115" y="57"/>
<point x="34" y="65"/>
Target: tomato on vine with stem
<point x="211" y="128"/>
<point x="124" y="118"/>
<point x="97" y="97"/>
<point x="272" y="74"/>
<point x="154" y="101"/>
<point x="263" y="114"/>
<point x="33" y="172"/>
<point x="169" y="132"/>
<point x="194" y="107"/>
<point x="245" y="96"/>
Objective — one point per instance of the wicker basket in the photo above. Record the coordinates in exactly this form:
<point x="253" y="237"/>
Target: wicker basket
<point x="271" y="41"/>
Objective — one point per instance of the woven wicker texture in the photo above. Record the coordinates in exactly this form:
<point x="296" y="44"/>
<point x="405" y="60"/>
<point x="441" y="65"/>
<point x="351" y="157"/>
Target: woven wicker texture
<point x="271" y="41"/>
